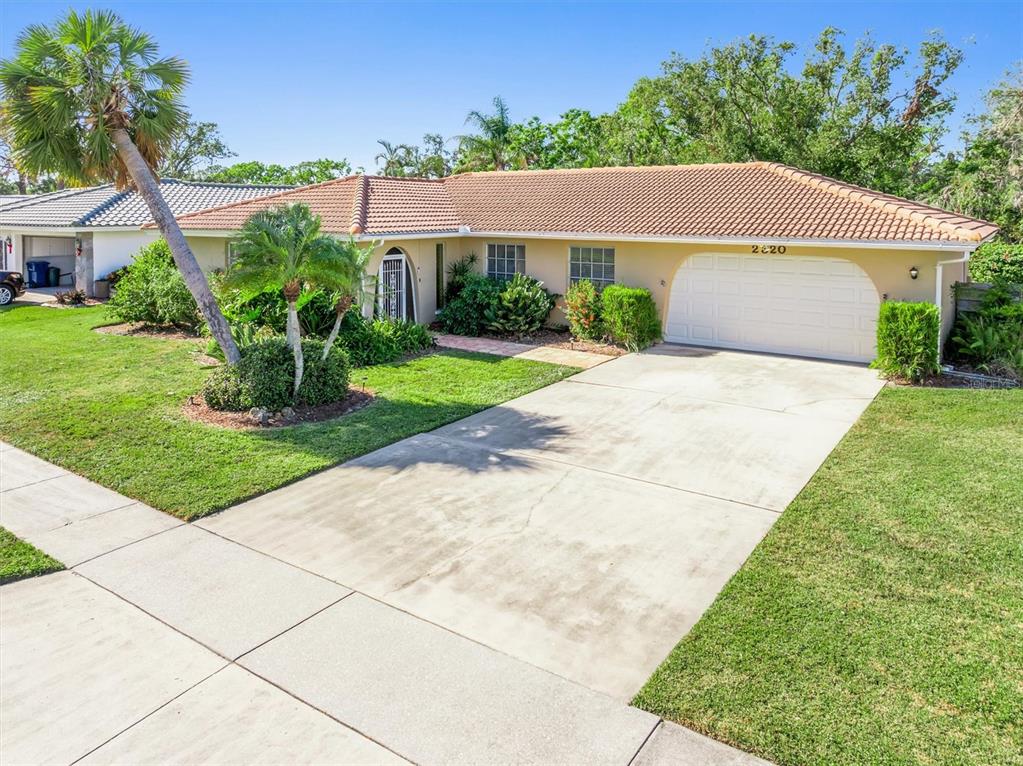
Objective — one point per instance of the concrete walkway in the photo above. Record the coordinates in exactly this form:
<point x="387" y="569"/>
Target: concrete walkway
<point x="551" y="354"/>
<point x="166" y="643"/>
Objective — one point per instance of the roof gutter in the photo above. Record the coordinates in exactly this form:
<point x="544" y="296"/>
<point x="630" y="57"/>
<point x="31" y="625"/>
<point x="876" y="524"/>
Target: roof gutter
<point x="610" y="237"/>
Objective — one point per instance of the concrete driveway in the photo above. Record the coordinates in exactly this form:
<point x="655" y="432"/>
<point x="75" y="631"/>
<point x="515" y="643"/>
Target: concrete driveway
<point x="583" y="528"/>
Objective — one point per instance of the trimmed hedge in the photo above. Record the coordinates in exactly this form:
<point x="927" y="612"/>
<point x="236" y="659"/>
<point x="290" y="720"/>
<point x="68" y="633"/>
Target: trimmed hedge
<point x="629" y="316"/>
<point x="265" y="377"/>
<point x="907" y="340"/>
<point x="996" y="262"/>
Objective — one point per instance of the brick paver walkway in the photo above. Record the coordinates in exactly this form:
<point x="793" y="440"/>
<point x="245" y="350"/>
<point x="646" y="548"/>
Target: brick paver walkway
<point x="551" y="354"/>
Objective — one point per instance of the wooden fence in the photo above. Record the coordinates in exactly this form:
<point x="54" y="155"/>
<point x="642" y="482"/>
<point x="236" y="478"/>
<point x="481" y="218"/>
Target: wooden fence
<point x="970" y="295"/>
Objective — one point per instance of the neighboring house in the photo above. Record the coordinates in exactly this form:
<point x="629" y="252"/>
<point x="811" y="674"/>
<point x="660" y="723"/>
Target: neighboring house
<point x="754" y="256"/>
<point x="98" y="229"/>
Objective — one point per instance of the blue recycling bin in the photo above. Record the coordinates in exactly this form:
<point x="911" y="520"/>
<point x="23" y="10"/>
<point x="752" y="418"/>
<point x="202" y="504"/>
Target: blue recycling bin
<point x="37" y="273"/>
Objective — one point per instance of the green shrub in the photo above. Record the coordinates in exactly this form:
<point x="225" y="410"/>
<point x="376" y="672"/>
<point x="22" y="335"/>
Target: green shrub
<point x="521" y="308"/>
<point x="583" y="311"/>
<point x="992" y="339"/>
<point x="379" y="341"/>
<point x="152" y="291"/>
<point x="265" y="377"/>
<point x="630" y="316"/>
<point x="323" y="380"/>
<point x="907" y="340"/>
<point x="316" y="311"/>
<point x="997" y="262"/>
<point x="465" y="313"/>
<point x="223" y="390"/>
<point x="459" y="274"/>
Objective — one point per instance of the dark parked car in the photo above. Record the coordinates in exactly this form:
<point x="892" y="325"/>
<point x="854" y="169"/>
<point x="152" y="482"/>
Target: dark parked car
<point x="12" y="284"/>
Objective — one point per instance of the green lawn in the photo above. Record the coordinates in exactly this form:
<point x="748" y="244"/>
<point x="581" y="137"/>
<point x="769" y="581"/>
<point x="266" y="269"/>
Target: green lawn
<point x="109" y="407"/>
<point x="18" y="559"/>
<point x="881" y="619"/>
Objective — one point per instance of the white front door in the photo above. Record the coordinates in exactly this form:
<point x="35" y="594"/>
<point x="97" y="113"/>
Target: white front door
<point x="391" y="302"/>
<point x="800" y="305"/>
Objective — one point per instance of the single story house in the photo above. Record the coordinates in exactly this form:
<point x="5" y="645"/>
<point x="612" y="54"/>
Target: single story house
<point x="89" y="232"/>
<point x="756" y="256"/>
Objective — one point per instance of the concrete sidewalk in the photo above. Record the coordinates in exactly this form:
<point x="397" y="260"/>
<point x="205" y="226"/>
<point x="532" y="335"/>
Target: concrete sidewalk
<point x="166" y="643"/>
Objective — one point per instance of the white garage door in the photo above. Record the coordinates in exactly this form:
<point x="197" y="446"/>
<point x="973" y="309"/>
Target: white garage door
<point x="800" y="305"/>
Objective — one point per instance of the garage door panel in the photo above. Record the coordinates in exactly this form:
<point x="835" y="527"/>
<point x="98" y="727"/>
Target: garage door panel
<point x="817" y="306"/>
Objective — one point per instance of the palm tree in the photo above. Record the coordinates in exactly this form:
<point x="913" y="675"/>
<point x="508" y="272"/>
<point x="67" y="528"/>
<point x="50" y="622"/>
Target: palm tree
<point x="491" y="148"/>
<point x="343" y="272"/>
<point x="283" y="248"/>
<point x="395" y="158"/>
<point x="89" y="100"/>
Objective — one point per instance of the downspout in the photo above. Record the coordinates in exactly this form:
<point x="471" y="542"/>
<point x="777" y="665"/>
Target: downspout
<point x="937" y="291"/>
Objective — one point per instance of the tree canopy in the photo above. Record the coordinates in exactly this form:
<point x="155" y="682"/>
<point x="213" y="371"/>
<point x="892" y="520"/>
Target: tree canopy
<point x="300" y="174"/>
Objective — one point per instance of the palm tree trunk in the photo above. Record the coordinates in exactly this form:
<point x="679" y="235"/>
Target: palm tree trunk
<point x="293" y="335"/>
<point x="343" y="304"/>
<point x="195" y="280"/>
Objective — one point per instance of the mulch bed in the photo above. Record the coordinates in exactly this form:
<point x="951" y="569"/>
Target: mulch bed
<point x="146" y="331"/>
<point x="197" y="409"/>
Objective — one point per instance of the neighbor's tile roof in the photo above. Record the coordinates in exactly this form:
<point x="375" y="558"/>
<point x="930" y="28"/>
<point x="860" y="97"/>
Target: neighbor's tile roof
<point x="98" y="206"/>
<point x="745" y="201"/>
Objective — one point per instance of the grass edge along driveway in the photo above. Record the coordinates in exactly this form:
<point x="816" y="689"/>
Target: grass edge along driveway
<point x="879" y="621"/>
<point x="19" y="559"/>
<point x="108" y="407"/>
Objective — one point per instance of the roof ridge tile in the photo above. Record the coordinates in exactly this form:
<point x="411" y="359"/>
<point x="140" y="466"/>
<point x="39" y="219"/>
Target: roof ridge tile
<point x="360" y="206"/>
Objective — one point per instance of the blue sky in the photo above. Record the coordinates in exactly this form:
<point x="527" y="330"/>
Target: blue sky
<point x="300" y="80"/>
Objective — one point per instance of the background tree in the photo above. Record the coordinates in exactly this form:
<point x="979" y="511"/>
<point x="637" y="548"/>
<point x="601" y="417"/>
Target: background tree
<point x="88" y="99"/>
<point x="300" y="174"/>
<point x="985" y="180"/>
<point x="395" y="159"/>
<point x="283" y="249"/>
<point x="491" y="148"/>
<point x="431" y="160"/>
<point x="192" y="151"/>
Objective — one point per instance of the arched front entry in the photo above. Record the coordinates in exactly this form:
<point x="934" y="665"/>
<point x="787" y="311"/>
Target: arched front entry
<point x="801" y="305"/>
<point x="395" y="287"/>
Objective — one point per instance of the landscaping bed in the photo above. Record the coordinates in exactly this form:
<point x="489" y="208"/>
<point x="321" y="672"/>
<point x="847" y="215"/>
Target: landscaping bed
<point x="109" y="407"/>
<point x="879" y="620"/>
<point x="197" y="409"/>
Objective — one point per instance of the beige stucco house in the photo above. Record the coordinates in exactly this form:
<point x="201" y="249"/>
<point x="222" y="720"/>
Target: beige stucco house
<point x="754" y="256"/>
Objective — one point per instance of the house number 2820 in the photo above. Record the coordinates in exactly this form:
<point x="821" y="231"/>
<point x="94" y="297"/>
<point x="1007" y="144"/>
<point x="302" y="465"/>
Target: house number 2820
<point x="768" y="249"/>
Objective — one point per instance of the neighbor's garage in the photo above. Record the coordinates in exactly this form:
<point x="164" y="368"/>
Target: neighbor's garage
<point x="800" y="305"/>
<point x="58" y="251"/>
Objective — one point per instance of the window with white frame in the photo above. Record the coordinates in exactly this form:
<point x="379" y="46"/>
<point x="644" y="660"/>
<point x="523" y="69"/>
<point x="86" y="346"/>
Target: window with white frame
<point x="505" y="261"/>
<point x="231" y="255"/>
<point x="596" y="264"/>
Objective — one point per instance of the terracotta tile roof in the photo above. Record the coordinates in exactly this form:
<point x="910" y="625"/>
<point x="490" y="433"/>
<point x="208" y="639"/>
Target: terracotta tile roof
<point x="754" y="200"/>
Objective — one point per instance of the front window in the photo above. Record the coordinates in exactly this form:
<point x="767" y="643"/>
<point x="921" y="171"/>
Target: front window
<point x="505" y="261"/>
<point x="231" y="253"/>
<point x="596" y="264"/>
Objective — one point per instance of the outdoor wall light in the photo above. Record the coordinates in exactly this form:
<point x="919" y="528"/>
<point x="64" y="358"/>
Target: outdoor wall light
<point x="914" y="272"/>
<point x="78" y="246"/>
<point x="8" y="244"/>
